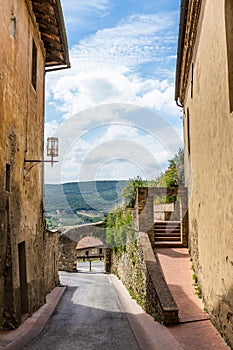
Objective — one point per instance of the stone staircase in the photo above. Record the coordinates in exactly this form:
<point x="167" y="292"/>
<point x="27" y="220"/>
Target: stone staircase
<point x="167" y="234"/>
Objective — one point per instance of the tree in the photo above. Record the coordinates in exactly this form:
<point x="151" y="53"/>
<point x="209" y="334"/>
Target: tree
<point x="174" y="175"/>
<point x="130" y="191"/>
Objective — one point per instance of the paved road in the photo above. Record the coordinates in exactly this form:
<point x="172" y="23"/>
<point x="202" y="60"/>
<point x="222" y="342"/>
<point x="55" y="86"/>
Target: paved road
<point x="89" y="317"/>
<point x="96" y="266"/>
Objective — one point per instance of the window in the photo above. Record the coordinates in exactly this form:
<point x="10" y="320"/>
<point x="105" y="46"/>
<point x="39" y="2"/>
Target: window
<point x="229" y="40"/>
<point x="34" y="64"/>
<point x="188" y="131"/>
<point x="8" y="178"/>
<point x="13" y="26"/>
<point x="100" y="251"/>
<point x="192" y="71"/>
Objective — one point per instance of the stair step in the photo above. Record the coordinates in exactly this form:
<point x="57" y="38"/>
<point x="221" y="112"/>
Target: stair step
<point x="168" y="245"/>
<point x="170" y="227"/>
<point x="171" y="239"/>
<point x="175" y="230"/>
<point x="167" y="225"/>
<point x="167" y="222"/>
<point x="167" y="233"/>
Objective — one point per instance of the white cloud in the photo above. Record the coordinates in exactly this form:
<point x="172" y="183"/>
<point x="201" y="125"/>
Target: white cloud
<point x="85" y="90"/>
<point x="105" y="75"/>
<point x="126" y="148"/>
<point x="76" y="11"/>
<point x="89" y="6"/>
<point x="50" y="128"/>
<point x="103" y="66"/>
<point x="136" y="40"/>
<point x="133" y="143"/>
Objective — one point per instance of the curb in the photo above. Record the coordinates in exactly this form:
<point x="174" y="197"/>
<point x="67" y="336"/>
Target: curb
<point x="32" y="326"/>
<point x="150" y="334"/>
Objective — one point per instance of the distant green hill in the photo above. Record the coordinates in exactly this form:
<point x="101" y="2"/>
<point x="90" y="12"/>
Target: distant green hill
<point x="81" y="202"/>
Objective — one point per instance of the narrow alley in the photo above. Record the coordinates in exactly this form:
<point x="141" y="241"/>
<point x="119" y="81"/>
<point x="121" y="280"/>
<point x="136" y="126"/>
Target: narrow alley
<point x="89" y="316"/>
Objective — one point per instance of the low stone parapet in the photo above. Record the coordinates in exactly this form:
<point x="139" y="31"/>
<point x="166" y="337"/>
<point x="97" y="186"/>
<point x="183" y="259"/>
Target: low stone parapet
<point x="160" y="303"/>
<point x="138" y="269"/>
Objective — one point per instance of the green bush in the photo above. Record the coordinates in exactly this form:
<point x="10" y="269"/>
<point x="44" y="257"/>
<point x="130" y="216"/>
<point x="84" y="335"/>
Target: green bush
<point x="119" y="227"/>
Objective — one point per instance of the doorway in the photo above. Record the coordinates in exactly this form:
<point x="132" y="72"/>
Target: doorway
<point x="23" y="277"/>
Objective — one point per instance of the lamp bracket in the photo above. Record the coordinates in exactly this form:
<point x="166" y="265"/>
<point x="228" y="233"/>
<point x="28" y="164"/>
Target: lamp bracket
<point x="36" y="162"/>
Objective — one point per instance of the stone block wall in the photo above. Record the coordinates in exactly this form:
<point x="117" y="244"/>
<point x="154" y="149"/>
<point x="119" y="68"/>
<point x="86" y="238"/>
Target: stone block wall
<point x="137" y="267"/>
<point x="67" y="260"/>
<point x="144" y="212"/>
<point x="51" y="260"/>
<point x="128" y="264"/>
<point x="167" y="211"/>
<point x="145" y="209"/>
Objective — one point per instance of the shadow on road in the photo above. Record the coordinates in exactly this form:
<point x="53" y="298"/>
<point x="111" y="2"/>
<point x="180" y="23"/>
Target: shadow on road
<point x="88" y="317"/>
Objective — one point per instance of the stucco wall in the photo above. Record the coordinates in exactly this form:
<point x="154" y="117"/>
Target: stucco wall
<point x="209" y="173"/>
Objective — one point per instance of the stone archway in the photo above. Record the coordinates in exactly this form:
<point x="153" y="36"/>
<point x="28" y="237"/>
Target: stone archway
<point x="68" y="239"/>
<point x="75" y="233"/>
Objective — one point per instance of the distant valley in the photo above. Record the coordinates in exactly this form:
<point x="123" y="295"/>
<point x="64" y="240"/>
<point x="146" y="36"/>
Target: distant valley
<point x="80" y="202"/>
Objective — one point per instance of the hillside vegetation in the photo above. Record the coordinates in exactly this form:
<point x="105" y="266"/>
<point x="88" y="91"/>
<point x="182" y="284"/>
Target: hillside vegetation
<point x="86" y="202"/>
<point x="80" y="202"/>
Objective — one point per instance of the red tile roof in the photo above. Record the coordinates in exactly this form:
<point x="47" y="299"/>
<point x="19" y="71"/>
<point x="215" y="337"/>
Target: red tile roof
<point x="89" y="242"/>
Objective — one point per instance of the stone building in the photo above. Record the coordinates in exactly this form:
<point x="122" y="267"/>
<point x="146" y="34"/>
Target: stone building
<point x="89" y="247"/>
<point x="33" y="41"/>
<point x="204" y="89"/>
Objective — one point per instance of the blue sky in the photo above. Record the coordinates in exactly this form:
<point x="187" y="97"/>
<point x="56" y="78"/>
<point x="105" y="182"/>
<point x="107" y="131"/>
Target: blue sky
<point x="110" y="110"/>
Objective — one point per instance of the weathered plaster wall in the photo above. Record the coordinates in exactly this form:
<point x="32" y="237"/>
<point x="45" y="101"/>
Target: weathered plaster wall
<point x="22" y="120"/>
<point x="209" y="174"/>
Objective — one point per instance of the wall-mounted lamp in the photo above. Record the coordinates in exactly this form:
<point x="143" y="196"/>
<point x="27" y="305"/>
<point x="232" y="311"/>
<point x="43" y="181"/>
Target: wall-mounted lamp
<point x="52" y="148"/>
<point x="52" y="151"/>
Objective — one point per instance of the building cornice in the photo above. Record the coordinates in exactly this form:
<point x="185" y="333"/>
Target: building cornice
<point x="50" y="20"/>
<point x="189" y="18"/>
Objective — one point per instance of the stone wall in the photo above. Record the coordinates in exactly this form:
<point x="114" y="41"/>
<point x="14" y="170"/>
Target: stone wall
<point x="68" y="239"/>
<point x="23" y="241"/>
<point x="137" y="267"/>
<point x="51" y="260"/>
<point x="144" y="218"/>
<point x="76" y="233"/>
<point x="67" y="260"/>
<point x="167" y="211"/>
<point x="21" y="202"/>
